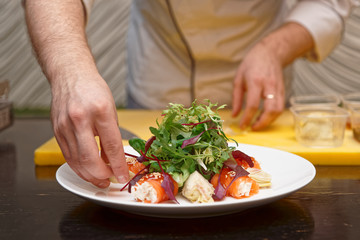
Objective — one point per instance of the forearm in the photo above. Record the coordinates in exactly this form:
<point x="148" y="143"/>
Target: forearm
<point x="57" y="32"/>
<point x="289" y="42"/>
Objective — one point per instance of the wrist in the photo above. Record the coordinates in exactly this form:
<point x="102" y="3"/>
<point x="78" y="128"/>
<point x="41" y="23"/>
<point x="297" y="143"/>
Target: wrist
<point x="71" y="74"/>
<point x="288" y="42"/>
<point x="70" y="60"/>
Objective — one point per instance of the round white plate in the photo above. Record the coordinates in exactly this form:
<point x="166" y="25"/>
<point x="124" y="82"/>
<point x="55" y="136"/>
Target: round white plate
<point x="289" y="173"/>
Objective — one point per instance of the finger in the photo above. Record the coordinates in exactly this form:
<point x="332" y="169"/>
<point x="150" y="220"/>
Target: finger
<point x="69" y="155"/>
<point x="89" y="177"/>
<point x="113" y="148"/>
<point x="60" y="139"/>
<point x="66" y="139"/>
<point x="274" y="101"/>
<point x="59" y="127"/>
<point x="238" y="94"/>
<point x="85" y="161"/>
<point x="89" y="158"/>
<point x="101" y="183"/>
<point x="265" y="119"/>
<point x="253" y="99"/>
<point x="103" y="155"/>
<point x="66" y="153"/>
<point x="273" y="107"/>
<point x="84" y="149"/>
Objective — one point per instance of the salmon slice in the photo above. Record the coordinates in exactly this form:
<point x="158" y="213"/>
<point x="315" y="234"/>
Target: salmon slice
<point x="134" y="166"/>
<point x="242" y="187"/>
<point x="245" y="165"/>
<point x="149" y="190"/>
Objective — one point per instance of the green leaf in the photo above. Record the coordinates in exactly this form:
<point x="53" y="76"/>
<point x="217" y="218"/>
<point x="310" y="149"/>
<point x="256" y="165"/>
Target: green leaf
<point x="210" y="149"/>
<point x="137" y="144"/>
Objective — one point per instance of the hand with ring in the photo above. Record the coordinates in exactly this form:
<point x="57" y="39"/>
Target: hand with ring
<point x="260" y="74"/>
<point x="260" y="77"/>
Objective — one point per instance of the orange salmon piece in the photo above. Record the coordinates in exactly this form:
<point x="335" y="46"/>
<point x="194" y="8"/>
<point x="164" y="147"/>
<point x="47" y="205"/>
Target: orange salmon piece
<point x="134" y="165"/>
<point x="149" y="190"/>
<point x="242" y="187"/>
<point x="245" y="165"/>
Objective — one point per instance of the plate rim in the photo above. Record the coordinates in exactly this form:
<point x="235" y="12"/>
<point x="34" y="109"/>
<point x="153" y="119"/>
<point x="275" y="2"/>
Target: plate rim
<point x="199" y="207"/>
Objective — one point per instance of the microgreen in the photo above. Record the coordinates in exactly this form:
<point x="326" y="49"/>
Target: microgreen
<point x="185" y="140"/>
<point x="135" y="179"/>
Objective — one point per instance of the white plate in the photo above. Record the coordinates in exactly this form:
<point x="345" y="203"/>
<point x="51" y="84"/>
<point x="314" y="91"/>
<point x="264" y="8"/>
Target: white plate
<point x="289" y="173"/>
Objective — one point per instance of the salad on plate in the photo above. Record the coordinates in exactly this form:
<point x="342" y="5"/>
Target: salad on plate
<point x="189" y="154"/>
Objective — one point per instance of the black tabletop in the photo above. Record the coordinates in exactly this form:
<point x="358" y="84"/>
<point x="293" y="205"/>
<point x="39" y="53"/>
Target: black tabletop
<point x="34" y="206"/>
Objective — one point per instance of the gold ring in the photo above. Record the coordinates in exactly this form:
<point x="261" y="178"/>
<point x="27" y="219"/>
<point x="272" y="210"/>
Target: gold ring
<point x="269" y="96"/>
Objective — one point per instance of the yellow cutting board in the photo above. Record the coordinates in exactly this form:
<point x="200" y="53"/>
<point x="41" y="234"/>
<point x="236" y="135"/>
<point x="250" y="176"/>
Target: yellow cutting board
<point x="279" y="135"/>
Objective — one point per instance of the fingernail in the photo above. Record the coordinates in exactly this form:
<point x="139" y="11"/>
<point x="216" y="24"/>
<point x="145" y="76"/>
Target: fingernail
<point x="122" y="179"/>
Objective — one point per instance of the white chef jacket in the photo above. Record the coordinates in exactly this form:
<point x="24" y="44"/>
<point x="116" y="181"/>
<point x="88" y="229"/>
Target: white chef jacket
<point x="181" y="50"/>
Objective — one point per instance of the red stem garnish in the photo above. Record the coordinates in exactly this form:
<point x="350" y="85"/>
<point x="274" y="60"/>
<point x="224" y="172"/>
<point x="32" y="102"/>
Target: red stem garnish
<point x="148" y="143"/>
<point x="134" y="180"/>
<point x="156" y="159"/>
<point x="142" y="157"/>
<point x="131" y="155"/>
<point x="193" y="140"/>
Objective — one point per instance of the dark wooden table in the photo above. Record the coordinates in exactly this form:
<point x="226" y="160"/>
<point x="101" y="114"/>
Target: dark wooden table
<point x="34" y="206"/>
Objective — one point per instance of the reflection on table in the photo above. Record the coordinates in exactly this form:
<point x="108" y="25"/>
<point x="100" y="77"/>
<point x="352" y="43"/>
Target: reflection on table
<point x="34" y="206"/>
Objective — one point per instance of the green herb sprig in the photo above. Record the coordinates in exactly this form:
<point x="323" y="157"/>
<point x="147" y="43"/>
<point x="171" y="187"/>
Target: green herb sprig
<point x="187" y="139"/>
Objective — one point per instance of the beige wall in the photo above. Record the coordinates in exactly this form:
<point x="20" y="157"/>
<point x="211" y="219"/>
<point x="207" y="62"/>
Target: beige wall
<point x="107" y="30"/>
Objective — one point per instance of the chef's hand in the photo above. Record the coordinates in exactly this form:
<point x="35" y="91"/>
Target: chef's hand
<point x="82" y="109"/>
<point x="82" y="105"/>
<point x="260" y="77"/>
<point x="260" y="74"/>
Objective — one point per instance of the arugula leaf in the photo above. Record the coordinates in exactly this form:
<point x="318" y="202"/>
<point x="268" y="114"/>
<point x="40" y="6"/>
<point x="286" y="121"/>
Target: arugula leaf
<point x="137" y="144"/>
<point x="187" y="139"/>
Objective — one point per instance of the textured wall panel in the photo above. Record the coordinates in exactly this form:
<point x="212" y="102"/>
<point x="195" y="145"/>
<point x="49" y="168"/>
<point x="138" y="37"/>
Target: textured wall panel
<point x="29" y="88"/>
